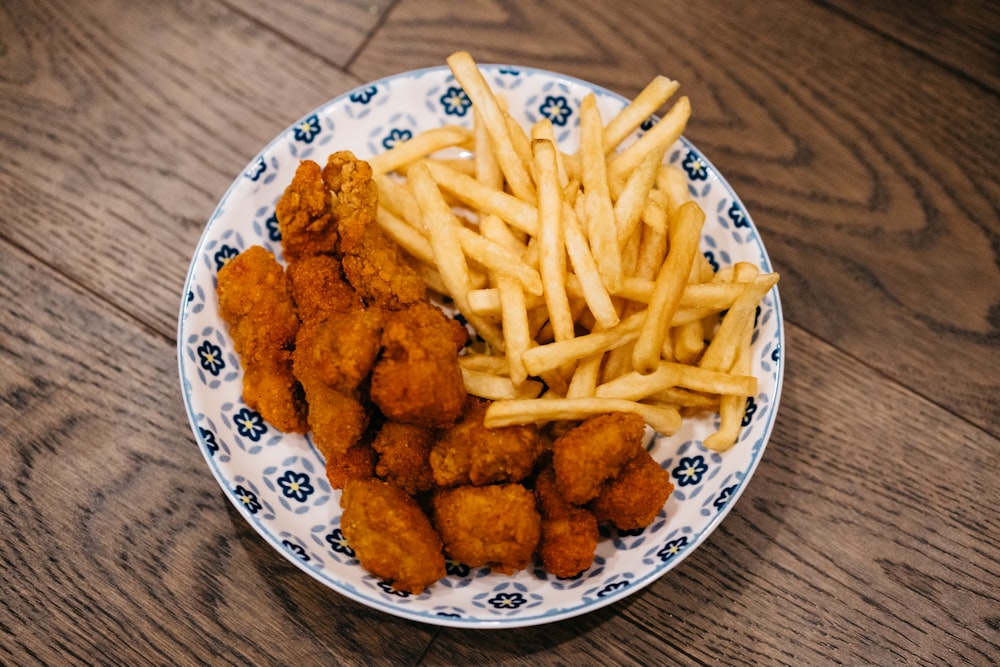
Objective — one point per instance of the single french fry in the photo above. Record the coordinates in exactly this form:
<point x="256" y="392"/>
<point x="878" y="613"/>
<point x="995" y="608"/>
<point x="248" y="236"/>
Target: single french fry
<point x="484" y="363"/>
<point x="514" y="312"/>
<point x="543" y="129"/>
<point x="496" y="258"/>
<point x="636" y="386"/>
<point x="488" y="170"/>
<point x="408" y="238"/>
<point x="722" y="350"/>
<point x="585" y="267"/>
<point x="552" y="246"/>
<point x="497" y="387"/>
<point x="553" y="355"/>
<point x="421" y="145"/>
<point x="584" y="380"/>
<point x="669" y="286"/>
<point x="635" y="113"/>
<point x="632" y="200"/>
<point x="599" y="212"/>
<point x="512" y="210"/>
<point x="662" y="135"/>
<point x="467" y="74"/>
<point x="664" y="419"/>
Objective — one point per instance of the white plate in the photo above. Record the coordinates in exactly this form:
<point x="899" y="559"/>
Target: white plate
<point x="277" y="481"/>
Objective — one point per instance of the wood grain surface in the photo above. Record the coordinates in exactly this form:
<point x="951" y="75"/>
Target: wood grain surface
<point x="862" y="137"/>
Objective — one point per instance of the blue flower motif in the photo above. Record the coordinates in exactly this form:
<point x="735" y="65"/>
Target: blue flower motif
<point x="696" y="167"/>
<point x="556" y="109"/>
<point x="397" y="136"/>
<point x="210" y="356"/>
<point x="690" y="470"/>
<point x="387" y="587"/>
<point x="738" y="216"/>
<point x="710" y="256"/>
<point x="255" y="170"/>
<point x="273" y="229"/>
<point x="296" y="485"/>
<point x="647" y="124"/>
<point x="307" y="130"/>
<point x="296" y="549"/>
<point x="224" y="255"/>
<point x="672" y="548"/>
<point x="209" y="439"/>
<point x="507" y="600"/>
<point x="364" y="96"/>
<point x="724" y="497"/>
<point x="249" y="499"/>
<point x="338" y="543"/>
<point x="750" y="410"/>
<point x="612" y="587"/>
<point x="456" y="101"/>
<point x="455" y="568"/>
<point x="250" y="424"/>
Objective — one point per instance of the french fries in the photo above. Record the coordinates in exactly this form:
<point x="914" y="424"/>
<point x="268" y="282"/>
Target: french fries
<point x="580" y="270"/>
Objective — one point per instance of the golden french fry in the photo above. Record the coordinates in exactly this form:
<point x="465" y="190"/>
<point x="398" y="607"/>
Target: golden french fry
<point x="552" y="247"/>
<point x="514" y="312"/>
<point x="408" y="238"/>
<point x="632" y="200"/>
<point x="498" y="387"/>
<point x="515" y="212"/>
<point x="599" y="211"/>
<point x="498" y="259"/>
<point x="467" y="74"/>
<point x="662" y="135"/>
<point x="553" y="355"/>
<point x="722" y="350"/>
<point x="665" y="419"/>
<point x="484" y="363"/>
<point x="421" y="145"/>
<point x="488" y="170"/>
<point x="669" y="286"/>
<point x="591" y="287"/>
<point x="636" y="386"/>
<point x="635" y="113"/>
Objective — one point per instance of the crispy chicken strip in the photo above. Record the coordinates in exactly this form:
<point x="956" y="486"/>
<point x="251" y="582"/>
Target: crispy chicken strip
<point x="373" y="263"/>
<point x="404" y="456"/>
<point x="595" y="451"/>
<point x="305" y="215"/>
<point x="569" y="532"/>
<point x="634" y="497"/>
<point x="255" y="301"/>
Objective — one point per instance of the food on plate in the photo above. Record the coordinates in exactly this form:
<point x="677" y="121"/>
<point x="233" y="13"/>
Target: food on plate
<point x="470" y="453"/>
<point x="635" y="496"/>
<point x="585" y="457"/>
<point x="496" y="526"/>
<point x="391" y="535"/>
<point x="404" y="456"/>
<point x="569" y="532"/>
<point x="255" y="301"/>
<point x="305" y="215"/>
<point x="417" y="379"/>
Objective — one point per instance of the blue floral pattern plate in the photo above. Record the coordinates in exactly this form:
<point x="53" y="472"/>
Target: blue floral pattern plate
<point x="277" y="481"/>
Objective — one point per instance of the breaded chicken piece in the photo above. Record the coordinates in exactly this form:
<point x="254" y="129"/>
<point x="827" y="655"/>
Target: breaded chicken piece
<point x="404" y="456"/>
<point x="358" y="462"/>
<point x="255" y="301"/>
<point x="470" y="453"/>
<point x="634" y="497"/>
<point x="305" y="215"/>
<point x="496" y="526"/>
<point x="417" y="380"/>
<point x="391" y="535"/>
<point x="373" y="263"/>
<point x="338" y="351"/>
<point x="569" y="532"/>
<point x="595" y="451"/>
<point x="319" y="288"/>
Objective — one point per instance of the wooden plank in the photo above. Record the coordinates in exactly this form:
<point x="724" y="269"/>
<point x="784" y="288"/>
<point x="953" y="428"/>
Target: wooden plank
<point x="839" y="153"/>
<point x="847" y="546"/>
<point x="124" y="124"/>
<point x="117" y="543"/>
<point x="964" y="35"/>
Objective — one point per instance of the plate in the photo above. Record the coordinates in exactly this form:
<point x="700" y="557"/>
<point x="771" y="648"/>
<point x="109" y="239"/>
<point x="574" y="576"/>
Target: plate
<point x="277" y="481"/>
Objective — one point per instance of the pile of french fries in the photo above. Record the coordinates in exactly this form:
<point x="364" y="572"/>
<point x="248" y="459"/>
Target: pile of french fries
<point x="580" y="270"/>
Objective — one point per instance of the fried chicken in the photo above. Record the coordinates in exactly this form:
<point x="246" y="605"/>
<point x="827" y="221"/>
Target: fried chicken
<point x="305" y="215"/>
<point x="418" y="380"/>
<point x="404" y="456"/>
<point x="373" y="263"/>
<point x="255" y="301"/>
<point x="319" y="288"/>
<point x="569" y="532"/>
<point x="470" y="453"/>
<point x="635" y="496"/>
<point x="391" y="535"/>
<point x="358" y="462"/>
<point x="496" y="526"/>
<point x="595" y="451"/>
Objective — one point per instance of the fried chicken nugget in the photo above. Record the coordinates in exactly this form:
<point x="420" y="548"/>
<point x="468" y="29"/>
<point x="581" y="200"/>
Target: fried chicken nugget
<point x="255" y="301"/>
<point x="496" y="526"/>
<point x="373" y="263"/>
<point x="634" y="497"/>
<point x="391" y="535"/>
<point x="470" y="453"/>
<point x="595" y="451"/>
<point x="305" y="215"/>
<point x="418" y="380"/>
<point x="358" y="462"/>
<point x="404" y="456"/>
<point x="319" y="288"/>
<point x="569" y="532"/>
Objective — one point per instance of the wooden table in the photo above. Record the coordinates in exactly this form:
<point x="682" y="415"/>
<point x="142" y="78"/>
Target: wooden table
<point x="862" y="138"/>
